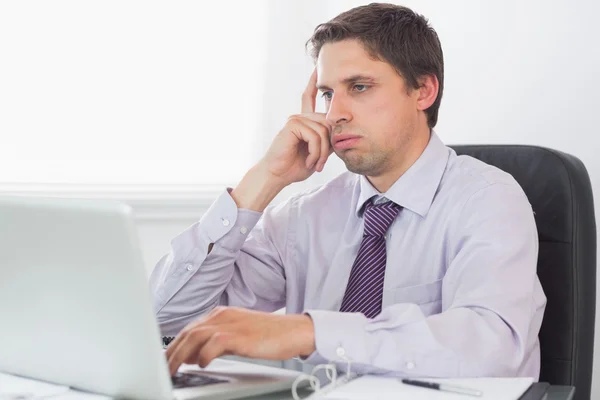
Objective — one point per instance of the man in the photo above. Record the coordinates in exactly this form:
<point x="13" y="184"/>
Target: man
<point x="415" y="262"/>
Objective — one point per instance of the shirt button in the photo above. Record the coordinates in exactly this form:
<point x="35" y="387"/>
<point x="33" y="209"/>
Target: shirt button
<point x="243" y="229"/>
<point x="189" y="267"/>
<point x="410" y="365"/>
<point x="340" y="352"/>
<point x="225" y="222"/>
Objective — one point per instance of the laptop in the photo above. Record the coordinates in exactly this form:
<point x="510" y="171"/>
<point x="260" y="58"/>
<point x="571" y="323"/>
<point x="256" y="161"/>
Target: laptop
<point x="75" y="308"/>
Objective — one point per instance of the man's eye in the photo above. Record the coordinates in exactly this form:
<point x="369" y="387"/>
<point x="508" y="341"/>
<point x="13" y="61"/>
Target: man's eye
<point x="360" y="88"/>
<point x="327" y="95"/>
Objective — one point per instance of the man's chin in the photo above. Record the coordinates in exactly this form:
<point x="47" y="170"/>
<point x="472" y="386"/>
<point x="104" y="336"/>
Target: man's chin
<point x="357" y="168"/>
<point x="360" y="166"/>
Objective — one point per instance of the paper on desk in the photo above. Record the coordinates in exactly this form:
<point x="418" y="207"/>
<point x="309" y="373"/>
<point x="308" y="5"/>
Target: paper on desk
<point x="13" y="387"/>
<point x="372" y="387"/>
<point x="18" y="388"/>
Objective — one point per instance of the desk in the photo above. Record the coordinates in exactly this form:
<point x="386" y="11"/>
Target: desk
<point x="553" y="393"/>
<point x="560" y="393"/>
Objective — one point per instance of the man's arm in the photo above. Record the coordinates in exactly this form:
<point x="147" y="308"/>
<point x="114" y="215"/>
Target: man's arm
<point x="217" y="261"/>
<point x="194" y="278"/>
<point x="492" y="304"/>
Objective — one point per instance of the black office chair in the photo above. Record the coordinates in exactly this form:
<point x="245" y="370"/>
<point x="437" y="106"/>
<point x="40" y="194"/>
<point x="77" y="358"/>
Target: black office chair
<point x="559" y="190"/>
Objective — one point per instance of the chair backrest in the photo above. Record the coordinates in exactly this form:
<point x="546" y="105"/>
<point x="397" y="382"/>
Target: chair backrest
<point x="559" y="190"/>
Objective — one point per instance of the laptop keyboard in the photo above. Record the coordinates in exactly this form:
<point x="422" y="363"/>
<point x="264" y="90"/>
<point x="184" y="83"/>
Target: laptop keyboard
<point x="186" y="380"/>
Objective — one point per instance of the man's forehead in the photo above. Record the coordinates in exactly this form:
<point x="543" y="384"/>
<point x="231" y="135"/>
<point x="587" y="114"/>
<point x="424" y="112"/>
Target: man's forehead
<point x="343" y="54"/>
<point x="333" y="74"/>
<point x="339" y="61"/>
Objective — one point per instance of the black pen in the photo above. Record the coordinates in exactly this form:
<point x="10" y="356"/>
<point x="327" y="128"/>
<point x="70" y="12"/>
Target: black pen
<point x="443" y="387"/>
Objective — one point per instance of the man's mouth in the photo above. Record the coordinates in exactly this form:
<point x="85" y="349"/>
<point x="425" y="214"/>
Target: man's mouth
<point x="343" y="142"/>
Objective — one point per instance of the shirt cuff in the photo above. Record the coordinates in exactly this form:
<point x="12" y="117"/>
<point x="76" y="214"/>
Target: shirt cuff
<point x="342" y="337"/>
<point x="224" y="223"/>
<point x="338" y="336"/>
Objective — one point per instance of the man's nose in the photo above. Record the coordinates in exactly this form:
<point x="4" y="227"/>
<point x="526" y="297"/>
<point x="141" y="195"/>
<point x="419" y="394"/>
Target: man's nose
<point x="338" y="112"/>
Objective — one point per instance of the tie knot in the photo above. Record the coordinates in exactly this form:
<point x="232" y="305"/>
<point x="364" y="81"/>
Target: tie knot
<point x="378" y="218"/>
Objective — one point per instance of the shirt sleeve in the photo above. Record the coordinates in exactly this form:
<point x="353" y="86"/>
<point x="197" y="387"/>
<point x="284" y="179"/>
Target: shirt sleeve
<point x="492" y="303"/>
<point x="244" y="267"/>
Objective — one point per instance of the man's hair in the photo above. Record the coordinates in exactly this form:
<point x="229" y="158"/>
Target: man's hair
<point x="390" y="33"/>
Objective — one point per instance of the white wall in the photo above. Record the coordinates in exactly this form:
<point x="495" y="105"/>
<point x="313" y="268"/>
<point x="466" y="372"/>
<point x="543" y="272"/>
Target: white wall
<point x="522" y="72"/>
<point x="121" y="92"/>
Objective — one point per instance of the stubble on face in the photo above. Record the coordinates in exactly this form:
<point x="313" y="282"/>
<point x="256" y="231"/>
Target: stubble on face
<point x="376" y="160"/>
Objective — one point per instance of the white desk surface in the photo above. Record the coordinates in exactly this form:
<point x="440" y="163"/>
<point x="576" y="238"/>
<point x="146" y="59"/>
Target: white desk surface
<point x="23" y="385"/>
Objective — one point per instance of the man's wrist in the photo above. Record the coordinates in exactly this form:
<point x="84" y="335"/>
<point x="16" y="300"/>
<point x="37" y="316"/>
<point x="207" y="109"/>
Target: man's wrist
<point x="256" y="189"/>
<point x="306" y="330"/>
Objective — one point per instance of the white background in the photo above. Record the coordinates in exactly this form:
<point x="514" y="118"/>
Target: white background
<point x="129" y="92"/>
<point x="522" y="72"/>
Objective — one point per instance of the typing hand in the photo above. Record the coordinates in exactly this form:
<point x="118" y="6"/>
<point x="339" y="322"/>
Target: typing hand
<point x="241" y="332"/>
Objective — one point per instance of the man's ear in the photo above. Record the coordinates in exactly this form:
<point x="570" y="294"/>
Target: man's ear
<point x="428" y="91"/>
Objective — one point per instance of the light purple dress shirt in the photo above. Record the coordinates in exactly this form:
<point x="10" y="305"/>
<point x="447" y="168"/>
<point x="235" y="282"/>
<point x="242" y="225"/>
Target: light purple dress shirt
<point x="461" y="296"/>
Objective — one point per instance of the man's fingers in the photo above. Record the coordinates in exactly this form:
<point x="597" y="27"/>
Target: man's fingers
<point x="216" y="346"/>
<point x="317" y="117"/>
<point x="306" y="134"/>
<point x="188" y="347"/>
<point x="309" y="97"/>
<point x="314" y="146"/>
<point x="176" y="342"/>
<point x="216" y="316"/>
<point x="188" y="328"/>
<point x="324" y="132"/>
<point x="321" y="121"/>
<point x="177" y="350"/>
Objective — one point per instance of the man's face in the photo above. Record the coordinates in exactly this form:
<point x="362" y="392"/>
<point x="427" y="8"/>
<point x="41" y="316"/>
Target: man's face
<point x="367" y="99"/>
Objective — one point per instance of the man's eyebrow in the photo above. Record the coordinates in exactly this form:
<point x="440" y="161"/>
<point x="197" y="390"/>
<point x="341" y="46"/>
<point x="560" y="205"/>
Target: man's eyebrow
<point x="350" y="80"/>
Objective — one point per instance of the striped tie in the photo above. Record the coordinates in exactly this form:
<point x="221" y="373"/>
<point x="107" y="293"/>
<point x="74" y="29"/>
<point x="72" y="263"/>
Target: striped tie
<point x="364" y="292"/>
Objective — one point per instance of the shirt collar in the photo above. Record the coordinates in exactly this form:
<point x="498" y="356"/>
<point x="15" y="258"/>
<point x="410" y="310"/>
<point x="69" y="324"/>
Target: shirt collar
<point x="415" y="189"/>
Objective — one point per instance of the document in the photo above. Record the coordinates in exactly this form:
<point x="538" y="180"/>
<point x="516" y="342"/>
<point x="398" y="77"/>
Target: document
<point x="14" y="387"/>
<point x="380" y="388"/>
